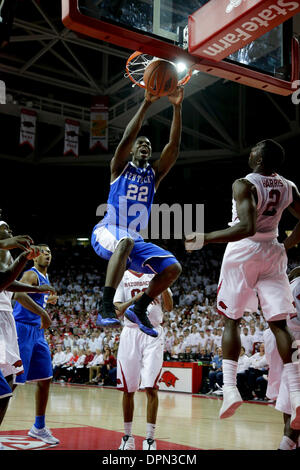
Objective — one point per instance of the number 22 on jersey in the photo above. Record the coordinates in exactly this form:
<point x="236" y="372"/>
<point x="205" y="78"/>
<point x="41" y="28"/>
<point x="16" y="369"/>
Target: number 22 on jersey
<point x="137" y="193"/>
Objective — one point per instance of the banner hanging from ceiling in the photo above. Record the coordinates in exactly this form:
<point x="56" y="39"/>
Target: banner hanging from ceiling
<point x="71" y="146"/>
<point x="99" y="123"/>
<point x="28" y="127"/>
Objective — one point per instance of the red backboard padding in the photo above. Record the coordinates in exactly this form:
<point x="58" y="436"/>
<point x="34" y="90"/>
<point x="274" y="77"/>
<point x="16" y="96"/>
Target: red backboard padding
<point x="222" y="27"/>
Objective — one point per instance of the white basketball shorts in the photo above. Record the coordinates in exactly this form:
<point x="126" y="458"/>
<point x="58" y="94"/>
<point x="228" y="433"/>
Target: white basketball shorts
<point x="251" y="271"/>
<point x="10" y="360"/>
<point x="140" y="359"/>
<point x="277" y="377"/>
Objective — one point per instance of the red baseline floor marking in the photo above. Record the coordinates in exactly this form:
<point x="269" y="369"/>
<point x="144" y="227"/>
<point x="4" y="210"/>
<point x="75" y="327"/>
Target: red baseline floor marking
<point x="80" y="438"/>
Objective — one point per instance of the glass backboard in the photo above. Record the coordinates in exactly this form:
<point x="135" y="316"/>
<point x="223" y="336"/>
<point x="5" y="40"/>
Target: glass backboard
<point x="160" y="28"/>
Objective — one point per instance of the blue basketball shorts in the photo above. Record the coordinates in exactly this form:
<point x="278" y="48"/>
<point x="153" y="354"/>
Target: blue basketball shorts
<point x="35" y="354"/>
<point x="5" y="390"/>
<point x="144" y="258"/>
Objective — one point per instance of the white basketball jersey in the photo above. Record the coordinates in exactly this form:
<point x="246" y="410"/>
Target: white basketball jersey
<point x="131" y="285"/>
<point x="274" y="194"/>
<point x="5" y="301"/>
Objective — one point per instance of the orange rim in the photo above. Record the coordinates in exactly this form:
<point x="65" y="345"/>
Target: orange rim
<point x="136" y="54"/>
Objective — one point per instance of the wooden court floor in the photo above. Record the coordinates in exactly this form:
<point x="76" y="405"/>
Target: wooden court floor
<point x="89" y="418"/>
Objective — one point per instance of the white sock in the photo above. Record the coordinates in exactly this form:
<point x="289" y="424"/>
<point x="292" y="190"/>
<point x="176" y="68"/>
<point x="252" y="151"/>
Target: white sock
<point x="128" y="429"/>
<point x="293" y="376"/>
<point x="229" y="372"/>
<point x="150" y="430"/>
<point x="286" y="444"/>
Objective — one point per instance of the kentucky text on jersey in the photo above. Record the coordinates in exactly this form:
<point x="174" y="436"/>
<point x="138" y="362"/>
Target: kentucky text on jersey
<point x="130" y="198"/>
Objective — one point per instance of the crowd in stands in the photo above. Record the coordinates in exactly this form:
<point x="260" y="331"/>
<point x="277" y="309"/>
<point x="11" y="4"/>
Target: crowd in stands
<point x="85" y="353"/>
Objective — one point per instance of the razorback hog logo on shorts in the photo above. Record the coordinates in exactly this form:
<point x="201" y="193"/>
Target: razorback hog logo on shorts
<point x="168" y="379"/>
<point x="222" y="305"/>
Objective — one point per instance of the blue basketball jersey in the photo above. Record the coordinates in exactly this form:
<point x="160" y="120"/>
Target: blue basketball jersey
<point x="24" y="315"/>
<point x="130" y="198"/>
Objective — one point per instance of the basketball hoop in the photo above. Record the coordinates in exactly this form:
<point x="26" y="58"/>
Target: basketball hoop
<point x="136" y="65"/>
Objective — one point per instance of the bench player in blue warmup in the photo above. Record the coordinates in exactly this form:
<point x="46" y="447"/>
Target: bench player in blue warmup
<point x="116" y="238"/>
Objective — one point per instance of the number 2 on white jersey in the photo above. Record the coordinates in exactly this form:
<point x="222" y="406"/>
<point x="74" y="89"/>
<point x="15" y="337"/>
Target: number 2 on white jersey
<point x="274" y="197"/>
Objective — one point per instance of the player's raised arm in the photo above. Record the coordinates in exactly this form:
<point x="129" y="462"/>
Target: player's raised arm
<point x="244" y="196"/>
<point x="8" y="273"/>
<point x="123" y="150"/>
<point x="20" y="241"/>
<point x="170" y="152"/>
<point x="294" y="238"/>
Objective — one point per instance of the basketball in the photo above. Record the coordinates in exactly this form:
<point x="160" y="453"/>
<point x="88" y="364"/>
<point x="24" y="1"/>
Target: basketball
<point x="161" y="78"/>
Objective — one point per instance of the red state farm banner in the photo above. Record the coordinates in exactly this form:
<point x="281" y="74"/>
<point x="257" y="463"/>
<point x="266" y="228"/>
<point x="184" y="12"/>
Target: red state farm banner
<point x="222" y="27"/>
<point x="28" y="127"/>
<point x="71" y="137"/>
<point x="99" y="123"/>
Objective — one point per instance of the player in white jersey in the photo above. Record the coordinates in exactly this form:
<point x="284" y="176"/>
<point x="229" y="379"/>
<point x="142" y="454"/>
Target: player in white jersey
<point x="277" y="383"/>
<point x="140" y="356"/>
<point x="254" y="266"/>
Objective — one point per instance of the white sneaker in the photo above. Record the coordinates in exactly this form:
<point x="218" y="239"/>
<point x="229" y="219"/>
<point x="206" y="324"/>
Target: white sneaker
<point x="149" y="444"/>
<point x="43" y="434"/>
<point x="127" y="443"/>
<point x="295" y="406"/>
<point x="231" y="401"/>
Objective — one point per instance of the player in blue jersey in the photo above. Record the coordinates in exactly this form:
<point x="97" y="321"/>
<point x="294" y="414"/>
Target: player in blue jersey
<point x="31" y="318"/>
<point x="116" y="238"/>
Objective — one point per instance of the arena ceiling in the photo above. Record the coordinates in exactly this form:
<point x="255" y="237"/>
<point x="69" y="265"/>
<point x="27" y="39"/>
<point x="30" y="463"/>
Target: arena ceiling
<point x="56" y="72"/>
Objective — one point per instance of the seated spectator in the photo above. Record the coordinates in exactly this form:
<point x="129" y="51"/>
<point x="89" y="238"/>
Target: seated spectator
<point x="83" y="372"/>
<point x="169" y="340"/>
<point x="215" y="374"/>
<point x="254" y="337"/>
<point x="58" y="360"/>
<point x="68" y="340"/>
<point x="76" y="376"/>
<point x="177" y="348"/>
<point x="204" y="356"/>
<point x="258" y="367"/>
<point x="94" y="366"/>
<point x="242" y="375"/>
<point x="202" y="339"/>
<point x="188" y="354"/>
<point x="209" y="343"/>
<point x="59" y="368"/>
<point x="246" y="341"/>
<point x="110" y="363"/>
<point x="194" y="339"/>
<point x="67" y="367"/>
<point x="217" y="339"/>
